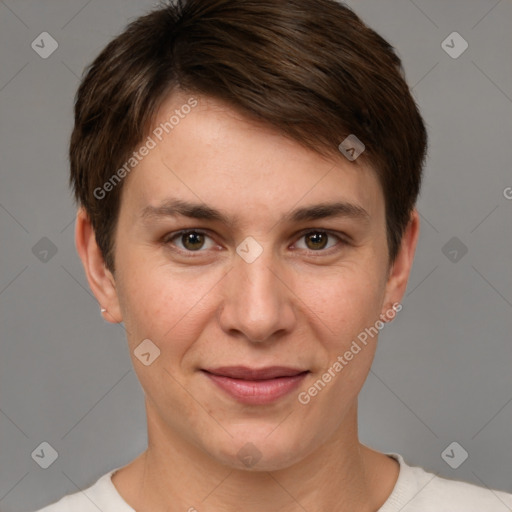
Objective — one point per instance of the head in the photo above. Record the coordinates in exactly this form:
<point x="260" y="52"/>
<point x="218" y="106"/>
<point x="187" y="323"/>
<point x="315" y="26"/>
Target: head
<point x="225" y="118"/>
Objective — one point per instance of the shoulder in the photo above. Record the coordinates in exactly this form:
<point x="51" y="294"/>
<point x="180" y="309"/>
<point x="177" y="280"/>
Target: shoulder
<point x="417" y="490"/>
<point x="102" y="495"/>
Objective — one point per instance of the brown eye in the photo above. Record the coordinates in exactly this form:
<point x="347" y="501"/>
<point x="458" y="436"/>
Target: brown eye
<point x="316" y="240"/>
<point x="192" y="241"/>
<point x="189" y="241"/>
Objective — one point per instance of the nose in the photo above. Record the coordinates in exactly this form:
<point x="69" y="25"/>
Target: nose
<point x="257" y="300"/>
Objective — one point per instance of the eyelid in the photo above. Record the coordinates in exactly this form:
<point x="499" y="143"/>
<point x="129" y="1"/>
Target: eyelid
<point x="341" y="237"/>
<point x="176" y="234"/>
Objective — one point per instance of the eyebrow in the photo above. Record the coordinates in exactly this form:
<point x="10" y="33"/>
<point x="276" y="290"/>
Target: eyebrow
<point x="174" y="207"/>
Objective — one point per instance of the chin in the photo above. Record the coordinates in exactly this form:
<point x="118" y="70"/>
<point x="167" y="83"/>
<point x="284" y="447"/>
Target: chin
<point x="260" y="453"/>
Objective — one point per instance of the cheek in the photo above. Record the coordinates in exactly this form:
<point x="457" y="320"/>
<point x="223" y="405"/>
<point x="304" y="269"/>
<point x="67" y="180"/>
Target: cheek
<point x="346" y="301"/>
<point x="346" y="308"/>
<point x="166" y="307"/>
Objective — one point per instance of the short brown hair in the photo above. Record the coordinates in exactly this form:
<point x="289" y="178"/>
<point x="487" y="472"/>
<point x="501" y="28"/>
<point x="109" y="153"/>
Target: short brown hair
<point x="310" y="68"/>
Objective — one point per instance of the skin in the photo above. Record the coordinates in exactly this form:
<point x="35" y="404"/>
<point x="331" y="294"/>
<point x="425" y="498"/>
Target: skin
<point x="301" y="303"/>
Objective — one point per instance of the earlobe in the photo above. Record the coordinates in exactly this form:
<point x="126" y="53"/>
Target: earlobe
<point x="401" y="268"/>
<point x="101" y="280"/>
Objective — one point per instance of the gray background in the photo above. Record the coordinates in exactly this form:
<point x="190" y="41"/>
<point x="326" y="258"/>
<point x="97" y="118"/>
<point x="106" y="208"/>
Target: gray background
<point x="442" y="370"/>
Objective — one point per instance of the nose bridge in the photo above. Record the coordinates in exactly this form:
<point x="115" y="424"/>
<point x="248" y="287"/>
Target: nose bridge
<point x="256" y="302"/>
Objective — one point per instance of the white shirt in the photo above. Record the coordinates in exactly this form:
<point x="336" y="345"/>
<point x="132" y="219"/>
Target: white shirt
<point x="416" y="490"/>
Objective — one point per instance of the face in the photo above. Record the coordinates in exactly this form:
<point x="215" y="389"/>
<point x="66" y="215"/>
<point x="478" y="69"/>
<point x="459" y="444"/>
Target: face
<point x="254" y="291"/>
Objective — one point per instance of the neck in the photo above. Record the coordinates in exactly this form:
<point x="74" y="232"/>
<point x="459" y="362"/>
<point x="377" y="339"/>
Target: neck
<point x="341" y="475"/>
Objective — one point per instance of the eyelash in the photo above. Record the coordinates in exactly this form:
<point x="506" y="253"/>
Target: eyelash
<point x="167" y="239"/>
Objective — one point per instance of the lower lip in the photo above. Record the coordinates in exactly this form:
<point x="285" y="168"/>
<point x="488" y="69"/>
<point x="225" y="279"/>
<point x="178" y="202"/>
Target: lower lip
<point x="257" y="392"/>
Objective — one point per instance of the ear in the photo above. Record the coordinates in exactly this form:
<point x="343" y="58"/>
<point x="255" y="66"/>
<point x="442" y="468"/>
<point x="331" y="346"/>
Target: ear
<point x="101" y="280"/>
<point x="401" y="268"/>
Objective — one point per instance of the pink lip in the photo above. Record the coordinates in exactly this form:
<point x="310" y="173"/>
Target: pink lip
<point x="256" y="387"/>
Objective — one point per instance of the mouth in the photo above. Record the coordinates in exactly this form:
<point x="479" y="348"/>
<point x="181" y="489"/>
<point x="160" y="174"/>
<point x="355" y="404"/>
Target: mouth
<point x="256" y="386"/>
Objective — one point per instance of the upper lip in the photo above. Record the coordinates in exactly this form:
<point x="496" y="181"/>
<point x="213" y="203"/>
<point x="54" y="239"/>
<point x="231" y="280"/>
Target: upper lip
<point x="245" y="373"/>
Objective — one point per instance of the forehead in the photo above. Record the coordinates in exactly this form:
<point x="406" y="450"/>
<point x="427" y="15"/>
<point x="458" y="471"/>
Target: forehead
<point x="203" y="151"/>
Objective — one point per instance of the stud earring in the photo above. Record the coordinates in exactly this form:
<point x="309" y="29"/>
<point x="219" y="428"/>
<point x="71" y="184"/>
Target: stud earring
<point x="103" y="310"/>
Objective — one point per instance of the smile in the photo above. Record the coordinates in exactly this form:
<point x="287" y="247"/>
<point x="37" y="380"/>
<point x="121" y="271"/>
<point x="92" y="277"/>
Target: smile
<point x="256" y="386"/>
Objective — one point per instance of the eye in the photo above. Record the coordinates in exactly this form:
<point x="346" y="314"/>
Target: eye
<point x="191" y="240"/>
<point x="196" y="240"/>
<point x="317" y="241"/>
